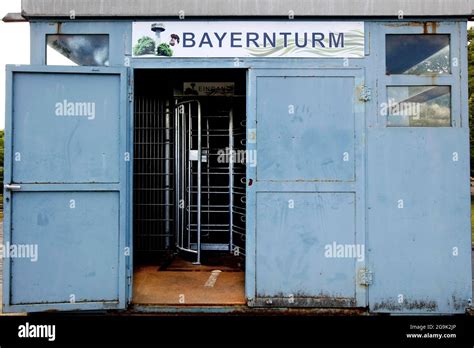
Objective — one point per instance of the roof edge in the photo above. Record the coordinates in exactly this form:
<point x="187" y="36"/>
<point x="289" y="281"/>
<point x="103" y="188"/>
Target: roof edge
<point x="246" y="8"/>
<point x="13" y="17"/>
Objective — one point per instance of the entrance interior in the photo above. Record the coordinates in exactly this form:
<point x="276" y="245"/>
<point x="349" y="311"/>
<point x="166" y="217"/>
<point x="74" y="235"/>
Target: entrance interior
<point x="189" y="187"/>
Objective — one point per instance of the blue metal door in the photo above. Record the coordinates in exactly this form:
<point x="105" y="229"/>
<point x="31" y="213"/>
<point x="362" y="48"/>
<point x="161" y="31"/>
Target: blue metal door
<point x="65" y="191"/>
<point x="306" y="193"/>
<point x="418" y="197"/>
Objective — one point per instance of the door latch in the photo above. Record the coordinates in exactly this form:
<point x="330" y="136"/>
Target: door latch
<point x="365" y="94"/>
<point x="365" y="277"/>
<point x="12" y="187"/>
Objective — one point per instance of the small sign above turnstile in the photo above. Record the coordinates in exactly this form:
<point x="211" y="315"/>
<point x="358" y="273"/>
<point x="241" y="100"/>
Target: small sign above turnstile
<point x="209" y="88"/>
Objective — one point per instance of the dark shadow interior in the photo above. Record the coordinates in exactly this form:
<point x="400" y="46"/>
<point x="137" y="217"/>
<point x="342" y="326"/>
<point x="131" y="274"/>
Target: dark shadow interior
<point x="168" y="227"/>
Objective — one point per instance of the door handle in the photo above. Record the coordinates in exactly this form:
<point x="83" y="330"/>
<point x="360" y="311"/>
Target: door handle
<point x="12" y="187"/>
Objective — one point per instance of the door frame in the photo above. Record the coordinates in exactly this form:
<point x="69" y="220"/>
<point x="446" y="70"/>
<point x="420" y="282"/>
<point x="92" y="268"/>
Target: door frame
<point x="121" y="187"/>
<point x="174" y="63"/>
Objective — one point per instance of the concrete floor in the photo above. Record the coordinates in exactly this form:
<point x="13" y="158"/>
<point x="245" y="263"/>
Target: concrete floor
<point x="205" y="287"/>
<point x="219" y="280"/>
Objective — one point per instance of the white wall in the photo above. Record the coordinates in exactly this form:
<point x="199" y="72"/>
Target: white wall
<point x="14" y="47"/>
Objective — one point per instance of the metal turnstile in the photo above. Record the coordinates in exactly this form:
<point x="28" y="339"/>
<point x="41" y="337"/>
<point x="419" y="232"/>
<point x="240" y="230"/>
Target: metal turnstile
<point x="189" y="185"/>
<point x="188" y="153"/>
<point x="206" y="180"/>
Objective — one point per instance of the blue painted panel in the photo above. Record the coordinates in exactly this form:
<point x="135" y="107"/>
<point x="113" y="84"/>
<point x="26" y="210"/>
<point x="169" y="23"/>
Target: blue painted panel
<point x="83" y="145"/>
<point x="302" y="160"/>
<point x="292" y="244"/>
<point x="81" y="249"/>
<point x="78" y="248"/>
<point x="420" y="251"/>
<point x="305" y="129"/>
<point x="411" y="249"/>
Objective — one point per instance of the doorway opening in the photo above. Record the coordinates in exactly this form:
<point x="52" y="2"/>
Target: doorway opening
<point x="189" y="186"/>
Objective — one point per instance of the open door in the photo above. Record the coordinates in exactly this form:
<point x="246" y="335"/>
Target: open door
<point x="65" y="188"/>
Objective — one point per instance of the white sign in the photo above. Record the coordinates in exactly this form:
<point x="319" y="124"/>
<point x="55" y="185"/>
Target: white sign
<point x="248" y="39"/>
<point x="209" y="88"/>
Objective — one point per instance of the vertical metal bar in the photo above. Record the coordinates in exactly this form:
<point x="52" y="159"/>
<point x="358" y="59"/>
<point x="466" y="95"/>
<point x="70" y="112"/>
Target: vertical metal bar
<point x="199" y="187"/>
<point x="182" y="203"/>
<point x="149" y="170"/>
<point x="146" y="239"/>
<point x="183" y="171"/>
<point x="149" y="131"/>
<point x="231" y="176"/>
<point x="177" y="175"/>
<point x="145" y="176"/>
<point x="138" y="169"/>
<point x="208" y="178"/>
<point x="158" y="178"/>
<point x="152" y="181"/>
<point x="190" y="181"/>
<point x="167" y="173"/>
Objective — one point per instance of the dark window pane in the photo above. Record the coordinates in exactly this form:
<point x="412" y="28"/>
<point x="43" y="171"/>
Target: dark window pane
<point x="89" y="50"/>
<point x="417" y="54"/>
<point x="418" y="106"/>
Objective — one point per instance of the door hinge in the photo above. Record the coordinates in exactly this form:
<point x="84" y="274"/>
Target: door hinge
<point x="252" y="136"/>
<point x="366" y="277"/>
<point x="130" y="93"/>
<point x="130" y="87"/>
<point x="365" y="94"/>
